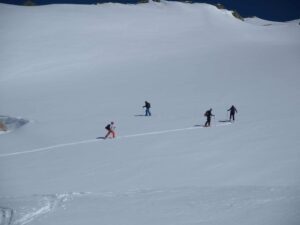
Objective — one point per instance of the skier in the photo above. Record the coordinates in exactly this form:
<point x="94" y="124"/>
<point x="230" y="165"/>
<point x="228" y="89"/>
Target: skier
<point x="110" y="130"/>
<point x="147" y="106"/>
<point x="208" y="115"/>
<point x="232" y="112"/>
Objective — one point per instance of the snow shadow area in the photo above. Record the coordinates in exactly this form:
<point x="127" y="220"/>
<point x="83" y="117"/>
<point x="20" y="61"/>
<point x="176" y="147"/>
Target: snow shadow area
<point x="8" y="123"/>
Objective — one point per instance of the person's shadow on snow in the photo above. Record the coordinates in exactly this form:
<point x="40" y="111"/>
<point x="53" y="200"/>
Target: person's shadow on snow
<point x="224" y="121"/>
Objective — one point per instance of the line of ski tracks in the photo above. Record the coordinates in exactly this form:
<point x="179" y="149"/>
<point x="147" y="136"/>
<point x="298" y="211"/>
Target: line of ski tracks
<point x="59" y="146"/>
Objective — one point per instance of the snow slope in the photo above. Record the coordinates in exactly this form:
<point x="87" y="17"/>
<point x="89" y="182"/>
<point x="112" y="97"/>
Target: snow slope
<point x="71" y="69"/>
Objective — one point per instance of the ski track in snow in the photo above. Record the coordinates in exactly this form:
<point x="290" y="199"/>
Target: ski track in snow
<point x="55" y="147"/>
<point x="6" y="215"/>
<point x="27" y="209"/>
<point x="186" y="200"/>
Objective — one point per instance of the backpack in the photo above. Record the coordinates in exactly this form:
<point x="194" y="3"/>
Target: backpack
<point x="107" y="127"/>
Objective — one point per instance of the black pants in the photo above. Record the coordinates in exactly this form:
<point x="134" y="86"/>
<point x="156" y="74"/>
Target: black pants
<point x="207" y="124"/>
<point x="231" y="116"/>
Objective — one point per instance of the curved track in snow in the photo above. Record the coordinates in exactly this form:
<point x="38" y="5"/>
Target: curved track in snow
<point x="6" y="216"/>
<point x="58" y="146"/>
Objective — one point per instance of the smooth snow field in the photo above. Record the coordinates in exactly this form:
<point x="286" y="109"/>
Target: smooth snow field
<point x="66" y="71"/>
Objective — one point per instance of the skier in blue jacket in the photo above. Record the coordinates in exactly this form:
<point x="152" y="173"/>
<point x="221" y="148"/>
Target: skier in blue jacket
<point x="147" y="106"/>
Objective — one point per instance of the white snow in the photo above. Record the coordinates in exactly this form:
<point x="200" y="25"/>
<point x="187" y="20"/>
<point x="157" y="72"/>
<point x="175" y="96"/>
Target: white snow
<point x="71" y="69"/>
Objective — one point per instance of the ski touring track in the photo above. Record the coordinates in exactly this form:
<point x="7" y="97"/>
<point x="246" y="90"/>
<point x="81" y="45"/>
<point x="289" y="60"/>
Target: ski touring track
<point x="59" y="146"/>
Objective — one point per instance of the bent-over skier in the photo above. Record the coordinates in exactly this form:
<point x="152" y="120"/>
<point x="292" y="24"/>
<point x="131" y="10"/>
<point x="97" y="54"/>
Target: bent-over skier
<point x="110" y="130"/>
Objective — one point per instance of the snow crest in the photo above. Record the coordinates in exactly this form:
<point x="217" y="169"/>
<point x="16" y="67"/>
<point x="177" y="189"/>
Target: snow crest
<point x="12" y="123"/>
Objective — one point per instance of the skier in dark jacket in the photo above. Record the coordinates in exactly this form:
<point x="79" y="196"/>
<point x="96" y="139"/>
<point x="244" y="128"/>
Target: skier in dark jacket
<point x="232" y="112"/>
<point x="147" y="106"/>
<point x="208" y="115"/>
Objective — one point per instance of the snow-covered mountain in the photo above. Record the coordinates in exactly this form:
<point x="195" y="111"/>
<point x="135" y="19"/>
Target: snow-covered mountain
<point x="68" y="70"/>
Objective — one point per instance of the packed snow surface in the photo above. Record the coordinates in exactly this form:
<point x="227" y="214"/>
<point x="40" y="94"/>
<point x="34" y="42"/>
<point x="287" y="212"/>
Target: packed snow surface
<point x="69" y="70"/>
